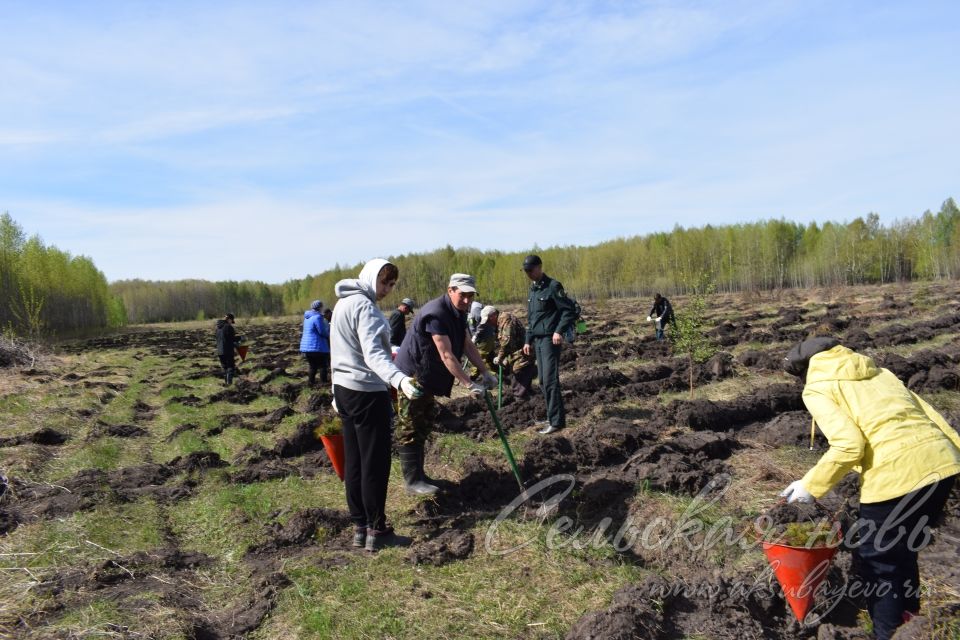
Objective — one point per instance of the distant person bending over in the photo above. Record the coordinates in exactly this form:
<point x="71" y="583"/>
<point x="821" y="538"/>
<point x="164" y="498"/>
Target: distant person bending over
<point x="315" y="343"/>
<point x="363" y="373"/>
<point x="511" y="336"/>
<point x="661" y="313"/>
<point x="908" y="458"/>
<point x="473" y="317"/>
<point x="432" y="352"/>
<point x="227" y="341"/>
<point x="485" y="338"/>
<point x="550" y="314"/>
<point x="398" y="321"/>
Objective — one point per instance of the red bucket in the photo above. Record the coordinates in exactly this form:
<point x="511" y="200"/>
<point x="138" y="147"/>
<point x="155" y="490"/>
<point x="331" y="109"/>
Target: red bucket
<point x="799" y="571"/>
<point x="334" y="446"/>
<point x="242" y="351"/>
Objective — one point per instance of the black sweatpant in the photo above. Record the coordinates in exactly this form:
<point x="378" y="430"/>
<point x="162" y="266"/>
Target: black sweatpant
<point x="892" y="533"/>
<point x="548" y="367"/>
<point x="318" y="361"/>
<point x="229" y="366"/>
<point x="366" y="449"/>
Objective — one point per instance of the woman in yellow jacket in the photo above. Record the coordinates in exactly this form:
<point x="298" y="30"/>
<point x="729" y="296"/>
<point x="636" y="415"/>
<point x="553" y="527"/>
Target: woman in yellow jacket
<point x="908" y="458"/>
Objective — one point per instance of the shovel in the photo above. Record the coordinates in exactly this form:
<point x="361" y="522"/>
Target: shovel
<point x="499" y="386"/>
<point x="503" y="439"/>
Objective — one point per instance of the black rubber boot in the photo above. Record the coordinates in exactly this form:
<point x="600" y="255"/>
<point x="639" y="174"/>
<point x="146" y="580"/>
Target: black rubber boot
<point x="411" y="463"/>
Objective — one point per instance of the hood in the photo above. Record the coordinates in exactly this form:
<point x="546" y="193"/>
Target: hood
<point x="840" y="363"/>
<point x="365" y="283"/>
<point x="309" y="313"/>
<point x="221" y="322"/>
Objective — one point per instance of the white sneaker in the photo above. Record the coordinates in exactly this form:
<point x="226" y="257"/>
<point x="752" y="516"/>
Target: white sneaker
<point x="549" y="429"/>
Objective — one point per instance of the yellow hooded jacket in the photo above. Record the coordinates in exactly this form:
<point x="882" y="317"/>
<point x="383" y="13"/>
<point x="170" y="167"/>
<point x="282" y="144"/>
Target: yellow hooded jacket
<point x="876" y="426"/>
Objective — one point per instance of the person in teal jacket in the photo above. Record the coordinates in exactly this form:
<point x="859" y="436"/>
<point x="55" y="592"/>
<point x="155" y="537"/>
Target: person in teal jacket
<point x="550" y="314"/>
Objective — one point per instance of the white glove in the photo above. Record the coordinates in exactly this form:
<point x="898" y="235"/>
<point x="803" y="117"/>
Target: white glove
<point x="490" y="380"/>
<point x="796" y="492"/>
<point x="410" y="389"/>
<point x="656" y="319"/>
<point x="496" y="360"/>
<point x="649" y="319"/>
<point x="333" y="404"/>
<point x="476" y="389"/>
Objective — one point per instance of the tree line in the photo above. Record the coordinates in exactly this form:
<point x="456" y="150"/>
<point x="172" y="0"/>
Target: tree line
<point x="46" y="291"/>
<point x="169" y="301"/>
<point x="766" y="255"/>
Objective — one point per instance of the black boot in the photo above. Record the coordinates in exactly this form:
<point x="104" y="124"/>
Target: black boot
<point x="411" y="457"/>
<point x="228" y="377"/>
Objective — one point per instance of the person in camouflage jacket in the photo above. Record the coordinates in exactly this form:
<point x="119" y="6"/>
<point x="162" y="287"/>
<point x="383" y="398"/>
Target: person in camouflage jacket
<point x="511" y="335"/>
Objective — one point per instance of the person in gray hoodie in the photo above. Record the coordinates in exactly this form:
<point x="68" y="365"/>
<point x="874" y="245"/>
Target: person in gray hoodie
<point x="363" y="372"/>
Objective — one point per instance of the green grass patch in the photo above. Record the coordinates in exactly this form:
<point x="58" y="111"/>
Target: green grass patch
<point x="530" y="591"/>
<point x="15" y="405"/>
<point x="454" y="448"/>
<point x="124" y="528"/>
<point x="224" y="519"/>
<point x="106" y="454"/>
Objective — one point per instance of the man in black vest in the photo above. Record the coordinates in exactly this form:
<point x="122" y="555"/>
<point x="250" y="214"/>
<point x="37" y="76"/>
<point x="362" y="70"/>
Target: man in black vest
<point x="550" y="313"/>
<point x="431" y="353"/>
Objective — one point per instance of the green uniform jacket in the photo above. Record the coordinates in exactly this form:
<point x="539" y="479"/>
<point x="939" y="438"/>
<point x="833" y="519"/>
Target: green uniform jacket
<point x="876" y="426"/>
<point x="549" y="310"/>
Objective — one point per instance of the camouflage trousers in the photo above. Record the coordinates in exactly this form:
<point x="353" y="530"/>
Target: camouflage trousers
<point x="415" y="419"/>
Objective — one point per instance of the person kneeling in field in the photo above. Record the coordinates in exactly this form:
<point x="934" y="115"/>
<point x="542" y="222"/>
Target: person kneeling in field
<point x="363" y="372"/>
<point x="511" y="336"/>
<point x="908" y="458"/>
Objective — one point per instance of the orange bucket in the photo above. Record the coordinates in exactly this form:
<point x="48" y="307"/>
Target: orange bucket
<point x="799" y="571"/>
<point x="242" y="352"/>
<point x="334" y="446"/>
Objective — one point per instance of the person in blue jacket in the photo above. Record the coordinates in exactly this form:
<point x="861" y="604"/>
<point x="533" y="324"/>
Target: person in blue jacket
<point x="315" y="343"/>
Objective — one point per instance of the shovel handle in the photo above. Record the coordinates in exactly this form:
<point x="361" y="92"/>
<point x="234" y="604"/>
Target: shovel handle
<point x="499" y="386"/>
<point x="503" y="439"/>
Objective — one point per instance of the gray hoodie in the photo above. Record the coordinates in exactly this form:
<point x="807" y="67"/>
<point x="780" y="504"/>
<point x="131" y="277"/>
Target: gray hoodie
<point x="360" y="335"/>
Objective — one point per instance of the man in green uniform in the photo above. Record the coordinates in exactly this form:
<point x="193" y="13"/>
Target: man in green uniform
<point x="550" y="313"/>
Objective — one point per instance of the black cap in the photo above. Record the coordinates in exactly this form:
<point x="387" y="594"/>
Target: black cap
<point x="229" y="316"/>
<point x="531" y="261"/>
<point x="798" y="359"/>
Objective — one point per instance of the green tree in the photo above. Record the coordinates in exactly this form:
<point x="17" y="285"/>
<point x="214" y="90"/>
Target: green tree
<point x="687" y="336"/>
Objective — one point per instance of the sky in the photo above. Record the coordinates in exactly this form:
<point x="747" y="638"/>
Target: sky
<point x="268" y="141"/>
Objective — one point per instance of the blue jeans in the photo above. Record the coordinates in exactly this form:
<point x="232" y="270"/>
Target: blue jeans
<point x="659" y="333"/>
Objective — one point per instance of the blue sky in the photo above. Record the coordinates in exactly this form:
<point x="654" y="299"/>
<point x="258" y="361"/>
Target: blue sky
<point x="231" y="140"/>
